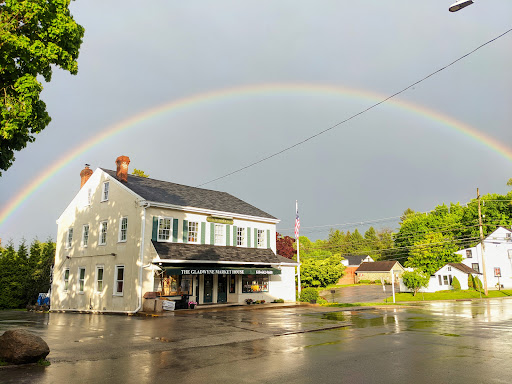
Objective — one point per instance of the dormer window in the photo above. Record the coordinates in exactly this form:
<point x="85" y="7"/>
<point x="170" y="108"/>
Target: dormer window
<point x="261" y="238"/>
<point x="105" y="190"/>
<point x="219" y="234"/>
<point x="164" y="228"/>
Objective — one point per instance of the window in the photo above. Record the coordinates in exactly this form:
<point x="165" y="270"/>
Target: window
<point x="89" y="196"/>
<point x="450" y="279"/>
<point x="69" y="238"/>
<point x="449" y="268"/>
<point x="66" y="279"/>
<point x="103" y="233"/>
<point x="232" y="284"/>
<point x="508" y="236"/>
<point x="85" y="235"/>
<point x="445" y="280"/>
<point x="193" y="231"/>
<point x="469" y="254"/>
<point x="123" y="229"/>
<point x="119" y="280"/>
<point x="219" y="234"/>
<point x="99" y="278"/>
<point x="440" y="280"/>
<point x="240" y="237"/>
<point x="254" y="283"/>
<point x="164" y="228"/>
<point x="81" y="279"/>
<point x="261" y="238"/>
<point x="174" y="285"/>
<point x="475" y="267"/>
<point x="104" y="192"/>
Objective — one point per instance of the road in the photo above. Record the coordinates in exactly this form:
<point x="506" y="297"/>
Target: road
<point x="441" y="342"/>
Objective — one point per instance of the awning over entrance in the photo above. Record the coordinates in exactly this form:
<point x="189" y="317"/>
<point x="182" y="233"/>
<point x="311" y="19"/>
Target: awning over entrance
<point x="200" y="270"/>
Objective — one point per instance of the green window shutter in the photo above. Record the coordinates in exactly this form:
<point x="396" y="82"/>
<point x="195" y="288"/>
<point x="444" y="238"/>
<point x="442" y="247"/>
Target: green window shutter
<point x="235" y="235"/>
<point x="212" y="233"/>
<point x="255" y="237"/>
<point x="185" y="231"/>
<point x="203" y="233"/>
<point x="228" y="235"/>
<point x="175" y="230"/>
<point x="248" y="237"/>
<point x="154" y="235"/>
<point x="268" y="238"/>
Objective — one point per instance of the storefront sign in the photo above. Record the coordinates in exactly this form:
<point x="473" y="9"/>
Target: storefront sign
<point x="219" y="220"/>
<point x="220" y="271"/>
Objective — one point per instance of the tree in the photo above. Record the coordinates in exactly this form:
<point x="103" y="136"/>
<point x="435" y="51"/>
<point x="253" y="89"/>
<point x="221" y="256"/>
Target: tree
<point x="432" y="253"/>
<point x="34" y="35"/>
<point x="321" y="273"/>
<point x="284" y="246"/>
<point x="455" y="283"/>
<point x="139" y="172"/>
<point x="415" y="280"/>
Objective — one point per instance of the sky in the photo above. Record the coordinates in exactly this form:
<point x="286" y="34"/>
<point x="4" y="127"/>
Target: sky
<point x="192" y="91"/>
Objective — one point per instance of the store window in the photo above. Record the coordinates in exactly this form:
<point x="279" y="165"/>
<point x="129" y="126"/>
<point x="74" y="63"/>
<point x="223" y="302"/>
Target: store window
<point x="193" y="231"/>
<point x="177" y="285"/>
<point x="119" y="281"/>
<point x="81" y="280"/>
<point x="254" y="283"/>
<point x="66" y="279"/>
<point x="164" y="228"/>
<point x="240" y="237"/>
<point x="232" y="284"/>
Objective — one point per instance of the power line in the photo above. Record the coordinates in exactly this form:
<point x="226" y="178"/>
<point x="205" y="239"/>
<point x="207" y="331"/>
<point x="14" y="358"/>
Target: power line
<point x="355" y="115"/>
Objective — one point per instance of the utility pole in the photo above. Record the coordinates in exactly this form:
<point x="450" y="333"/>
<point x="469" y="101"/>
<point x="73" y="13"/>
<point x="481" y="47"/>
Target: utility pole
<point x="482" y="240"/>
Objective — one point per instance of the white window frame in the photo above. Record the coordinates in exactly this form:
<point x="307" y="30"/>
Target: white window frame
<point x="219" y="234"/>
<point x="105" y="190"/>
<point x="97" y="281"/>
<point x="81" y="281"/>
<point x="469" y="254"/>
<point x="66" y="280"/>
<point x="191" y="226"/>
<point x="241" y="237"/>
<point x="69" y="238"/>
<point x="85" y="235"/>
<point x="103" y="231"/>
<point x="161" y="231"/>
<point x="260" y="241"/>
<point x="116" y="280"/>
<point x="123" y="231"/>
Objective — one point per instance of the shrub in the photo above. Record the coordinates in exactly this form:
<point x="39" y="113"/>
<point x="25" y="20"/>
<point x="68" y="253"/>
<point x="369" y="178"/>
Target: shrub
<point x="456" y="284"/>
<point x="471" y="282"/>
<point x="279" y="301"/>
<point x="478" y="284"/>
<point x="308" y="295"/>
<point x="415" y="280"/>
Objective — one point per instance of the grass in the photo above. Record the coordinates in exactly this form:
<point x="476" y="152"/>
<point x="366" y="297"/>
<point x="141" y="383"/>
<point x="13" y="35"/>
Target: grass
<point x="449" y="295"/>
<point x="3" y="363"/>
<point x="43" y="363"/>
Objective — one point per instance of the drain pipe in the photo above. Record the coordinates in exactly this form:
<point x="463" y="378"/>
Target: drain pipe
<point x="141" y="257"/>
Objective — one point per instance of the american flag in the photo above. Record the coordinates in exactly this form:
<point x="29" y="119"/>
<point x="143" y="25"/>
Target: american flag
<point x="297" y="221"/>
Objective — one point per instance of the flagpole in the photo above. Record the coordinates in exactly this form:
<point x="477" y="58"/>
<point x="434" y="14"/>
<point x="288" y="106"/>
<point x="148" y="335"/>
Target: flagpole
<point x="297" y="238"/>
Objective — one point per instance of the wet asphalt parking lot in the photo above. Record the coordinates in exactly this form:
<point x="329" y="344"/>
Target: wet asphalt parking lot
<point x="440" y="342"/>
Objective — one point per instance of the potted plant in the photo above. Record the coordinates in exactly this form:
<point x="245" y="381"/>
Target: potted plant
<point x="192" y="304"/>
<point x="249" y="301"/>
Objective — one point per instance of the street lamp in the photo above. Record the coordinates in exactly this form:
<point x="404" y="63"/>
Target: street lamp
<point x="459" y="5"/>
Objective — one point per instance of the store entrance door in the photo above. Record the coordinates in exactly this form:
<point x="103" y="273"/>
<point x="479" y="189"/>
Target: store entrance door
<point x="208" y="289"/>
<point x="222" y="289"/>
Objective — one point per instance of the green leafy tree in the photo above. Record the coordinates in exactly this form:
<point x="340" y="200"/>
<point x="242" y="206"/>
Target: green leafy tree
<point x="415" y="280"/>
<point x="34" y="36"/>
<point x="456" y="284"/>
<point x="321" y="272"/>
<point x="432" y="253"/>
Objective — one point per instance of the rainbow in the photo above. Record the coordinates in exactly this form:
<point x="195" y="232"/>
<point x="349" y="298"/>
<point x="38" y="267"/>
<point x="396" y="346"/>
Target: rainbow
<point x="28" y="190"/>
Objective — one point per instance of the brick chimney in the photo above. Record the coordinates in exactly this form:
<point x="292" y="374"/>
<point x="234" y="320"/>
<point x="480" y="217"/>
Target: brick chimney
<point x="122" y="168"/>
<point x="85" y="174"/>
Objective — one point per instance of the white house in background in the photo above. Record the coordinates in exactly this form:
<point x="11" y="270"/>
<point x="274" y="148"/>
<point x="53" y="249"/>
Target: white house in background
<point x="442" y="279"/>
<point x="498" y="258"/>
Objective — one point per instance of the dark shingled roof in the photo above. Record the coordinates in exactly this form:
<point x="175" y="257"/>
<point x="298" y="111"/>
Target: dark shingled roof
<point x="377" y="266"/>
<point x="355" y="259"/>
<point x="463" y="267"/>
<point x="204" y="252"/>
<point x="182" y="195"/>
